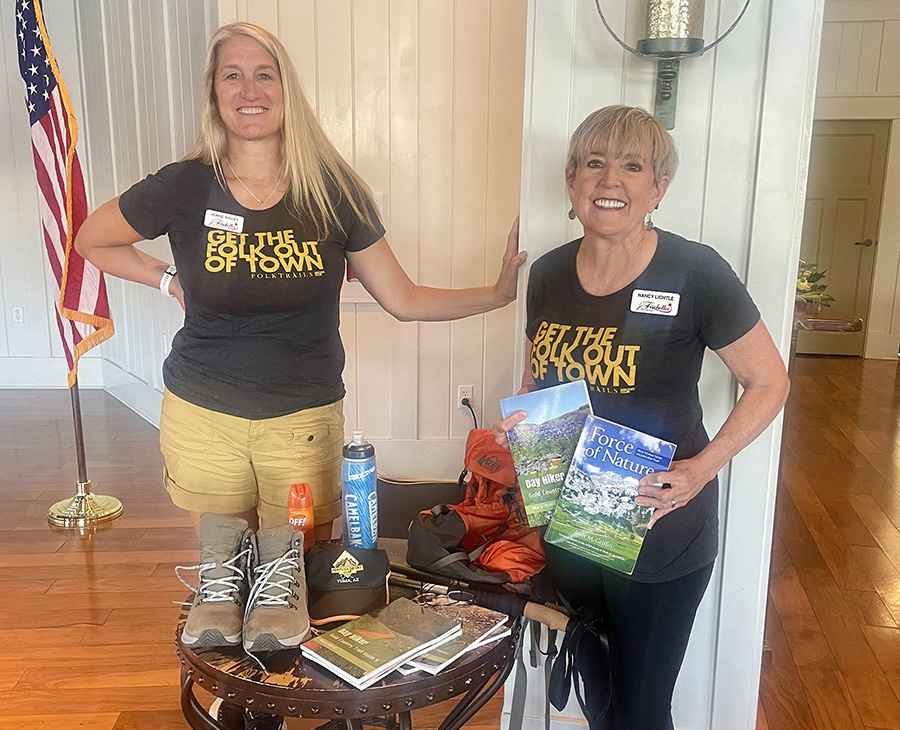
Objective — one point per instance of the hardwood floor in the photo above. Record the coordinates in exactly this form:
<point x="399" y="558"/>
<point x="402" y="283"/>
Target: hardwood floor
<point x="86" y="622"/>
<point x="834" y="593"/>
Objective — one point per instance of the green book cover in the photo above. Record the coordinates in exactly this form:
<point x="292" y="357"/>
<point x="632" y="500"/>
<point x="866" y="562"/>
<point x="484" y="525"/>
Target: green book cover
<point x="543" y="443"/>
<point x="596" y="516"/>
<point x="365" y="649"/>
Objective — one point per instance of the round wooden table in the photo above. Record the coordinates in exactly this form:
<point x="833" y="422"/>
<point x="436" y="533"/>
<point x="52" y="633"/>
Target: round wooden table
<point x="295" y="687"/>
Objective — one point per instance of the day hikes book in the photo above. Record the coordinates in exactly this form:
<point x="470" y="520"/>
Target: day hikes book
<point x="477" y="624"/>
<point x="596" y="516"/>
<point x="364" y="650"/>
<point x="542" y="445"/>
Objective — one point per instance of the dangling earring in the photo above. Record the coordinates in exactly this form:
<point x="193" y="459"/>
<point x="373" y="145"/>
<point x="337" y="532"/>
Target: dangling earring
<point x="572" y="213"/>
<point x="648" y="222"/>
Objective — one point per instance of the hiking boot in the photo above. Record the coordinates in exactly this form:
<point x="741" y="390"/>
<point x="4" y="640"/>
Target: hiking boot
<point x="276" y="615"/>
<point x="217" y="611"/>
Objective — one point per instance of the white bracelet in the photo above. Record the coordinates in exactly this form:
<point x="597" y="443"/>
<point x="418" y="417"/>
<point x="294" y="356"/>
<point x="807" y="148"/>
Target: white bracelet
<point x="167" y="277"/>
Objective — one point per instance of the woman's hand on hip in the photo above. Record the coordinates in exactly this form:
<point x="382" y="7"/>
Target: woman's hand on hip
<point x="686" y="478"/>
<point x="501" y="428"/>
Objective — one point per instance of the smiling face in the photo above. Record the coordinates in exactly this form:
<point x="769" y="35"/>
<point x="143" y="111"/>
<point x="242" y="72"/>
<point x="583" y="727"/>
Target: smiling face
<point x="248" y="90"/>
<point x="612" y="194"/>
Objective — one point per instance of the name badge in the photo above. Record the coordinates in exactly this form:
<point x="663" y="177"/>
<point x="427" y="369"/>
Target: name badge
<point x="655" y="302"/>
<point x="223" y="221"/>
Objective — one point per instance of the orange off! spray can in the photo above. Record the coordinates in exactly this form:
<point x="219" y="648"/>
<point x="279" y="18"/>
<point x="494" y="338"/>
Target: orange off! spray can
<point x="300" y="512"/>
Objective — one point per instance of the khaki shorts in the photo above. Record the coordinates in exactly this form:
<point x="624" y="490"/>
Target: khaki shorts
<point x="224" y="464"/>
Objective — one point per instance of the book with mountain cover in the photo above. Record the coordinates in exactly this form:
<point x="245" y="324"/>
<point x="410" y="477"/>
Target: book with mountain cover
<point x="542" y="445"/>
<point x="596" y="516"/>
<point x="364" y="650"/>
<point x="477" y="625"/>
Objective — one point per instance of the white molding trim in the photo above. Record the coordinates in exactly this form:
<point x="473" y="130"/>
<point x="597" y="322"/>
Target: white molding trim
<point x="143" y="399"/>
<point x="862" y="106"/>
<point x="837" y="11"/>
<point x="529" y="722"/>
<point x="48" y="372"/>
<point x="782" y="164"/>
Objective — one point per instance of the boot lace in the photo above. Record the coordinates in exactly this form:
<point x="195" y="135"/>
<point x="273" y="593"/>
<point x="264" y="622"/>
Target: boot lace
<point x="213" y="590"/>
<point x="275" y="581"/>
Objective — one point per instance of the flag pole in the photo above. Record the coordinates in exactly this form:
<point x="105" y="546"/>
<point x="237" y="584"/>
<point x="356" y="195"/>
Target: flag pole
<point x="84" y="509"/>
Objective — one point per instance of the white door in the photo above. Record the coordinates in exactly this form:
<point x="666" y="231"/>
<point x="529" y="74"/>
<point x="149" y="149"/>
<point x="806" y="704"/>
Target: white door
<point x="843" y="203"/>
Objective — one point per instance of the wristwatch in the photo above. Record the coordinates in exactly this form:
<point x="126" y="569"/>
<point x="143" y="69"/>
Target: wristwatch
<point x="167" y="277"/>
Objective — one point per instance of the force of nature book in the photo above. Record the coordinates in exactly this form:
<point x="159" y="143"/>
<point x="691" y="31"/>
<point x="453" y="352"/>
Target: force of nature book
<point x="477" y="623"/>
<point x="596" y="516"/>
<point x="542" y="445"/>
<point x="364" y="650"/>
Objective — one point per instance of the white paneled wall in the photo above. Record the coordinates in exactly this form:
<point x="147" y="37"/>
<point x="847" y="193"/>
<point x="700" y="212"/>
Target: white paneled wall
<point x="141" y="63"/>
<point x="424" y="98"/>
<point x="860" y="61"/>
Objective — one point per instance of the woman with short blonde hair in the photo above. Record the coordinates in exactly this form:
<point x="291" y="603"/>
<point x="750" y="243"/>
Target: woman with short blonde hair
<point x="631" y="309"/>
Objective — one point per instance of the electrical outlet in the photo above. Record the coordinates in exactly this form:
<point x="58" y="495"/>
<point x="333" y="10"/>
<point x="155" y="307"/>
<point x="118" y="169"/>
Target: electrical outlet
<point x="18" y="314"/>
<point x="463" y="391"/>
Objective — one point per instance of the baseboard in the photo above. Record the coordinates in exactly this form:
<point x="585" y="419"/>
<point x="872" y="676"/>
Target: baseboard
<point x="143" y="399"/>
<point x="48" y="372"/>
<point x="537" y="723"/>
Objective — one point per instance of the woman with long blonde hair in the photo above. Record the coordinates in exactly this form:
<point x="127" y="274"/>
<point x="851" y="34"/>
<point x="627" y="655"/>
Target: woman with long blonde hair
<point x="262" y="216"/>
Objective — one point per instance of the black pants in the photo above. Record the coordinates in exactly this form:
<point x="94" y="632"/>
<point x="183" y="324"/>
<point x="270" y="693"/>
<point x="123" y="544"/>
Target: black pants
<point x="648" y="625"/>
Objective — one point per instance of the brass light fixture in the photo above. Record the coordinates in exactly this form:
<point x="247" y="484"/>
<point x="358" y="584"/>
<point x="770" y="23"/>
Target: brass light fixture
<point x="673" y="30"/>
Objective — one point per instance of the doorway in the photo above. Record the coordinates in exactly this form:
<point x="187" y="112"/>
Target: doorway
<point x="840" y="223"/>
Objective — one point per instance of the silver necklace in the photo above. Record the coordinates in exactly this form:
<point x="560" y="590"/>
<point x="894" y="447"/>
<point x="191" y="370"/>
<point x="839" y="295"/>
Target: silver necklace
<point x="261" y="201"/>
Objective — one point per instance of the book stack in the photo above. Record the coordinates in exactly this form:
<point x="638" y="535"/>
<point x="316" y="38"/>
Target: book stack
<point x="581" y="473"/>
<point x="368" y="648"/>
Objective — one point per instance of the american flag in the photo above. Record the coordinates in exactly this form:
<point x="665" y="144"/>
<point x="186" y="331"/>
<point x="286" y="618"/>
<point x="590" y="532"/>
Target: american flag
<point x="82" y="311"/>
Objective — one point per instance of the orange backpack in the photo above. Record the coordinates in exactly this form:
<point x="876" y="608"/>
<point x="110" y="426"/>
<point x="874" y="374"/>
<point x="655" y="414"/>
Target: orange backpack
<point x="485" y="538"/>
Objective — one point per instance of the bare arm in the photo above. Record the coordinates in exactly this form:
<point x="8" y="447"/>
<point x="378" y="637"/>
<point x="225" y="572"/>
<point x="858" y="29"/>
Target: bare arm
<point x="757" y="365"/>
<point x="384" y="278"/>
<point x="107" y="241"/>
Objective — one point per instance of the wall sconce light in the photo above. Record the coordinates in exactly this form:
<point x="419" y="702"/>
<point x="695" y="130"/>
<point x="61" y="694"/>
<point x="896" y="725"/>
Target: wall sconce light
<point x="674" y="30"/>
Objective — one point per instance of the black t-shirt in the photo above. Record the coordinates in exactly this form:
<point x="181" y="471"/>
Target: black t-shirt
<point x="640" y="350"/>
<point x="262" y="294"/>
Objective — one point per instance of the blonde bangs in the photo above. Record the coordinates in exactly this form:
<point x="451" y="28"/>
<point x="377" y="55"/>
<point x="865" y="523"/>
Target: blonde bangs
<point x="624" y="131"/>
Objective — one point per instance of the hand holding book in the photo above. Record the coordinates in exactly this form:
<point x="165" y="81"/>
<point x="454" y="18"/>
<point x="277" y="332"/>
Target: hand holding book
<point x="683" y="481"/>
<point x="502" y="427"/>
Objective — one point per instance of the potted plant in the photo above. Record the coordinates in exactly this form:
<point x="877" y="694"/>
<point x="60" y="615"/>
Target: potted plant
<point x="811" y="294"/>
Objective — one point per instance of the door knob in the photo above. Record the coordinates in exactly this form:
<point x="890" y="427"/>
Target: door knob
<point x="868" y="242"/>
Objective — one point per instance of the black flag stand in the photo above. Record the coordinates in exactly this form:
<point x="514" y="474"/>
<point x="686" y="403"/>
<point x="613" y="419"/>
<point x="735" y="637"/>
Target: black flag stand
<point x="84" y="509"/>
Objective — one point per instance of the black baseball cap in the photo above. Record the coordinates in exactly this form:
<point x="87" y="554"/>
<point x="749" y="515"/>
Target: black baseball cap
<point x="344" y="583"/>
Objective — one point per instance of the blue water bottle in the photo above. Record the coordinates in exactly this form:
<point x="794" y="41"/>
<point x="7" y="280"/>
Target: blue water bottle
<point x="360" y="495"/>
